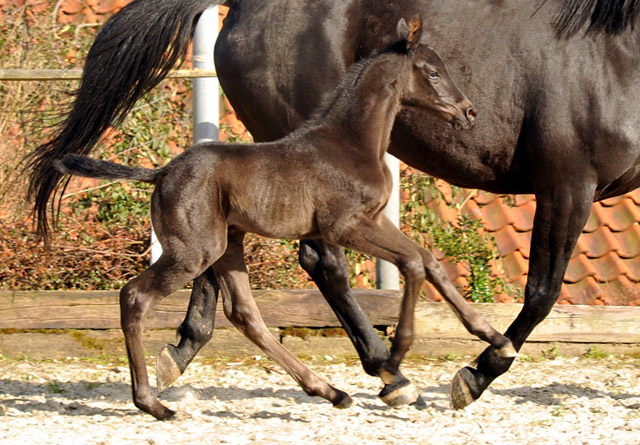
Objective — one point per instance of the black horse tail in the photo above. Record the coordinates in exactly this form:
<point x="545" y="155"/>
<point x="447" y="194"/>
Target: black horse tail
<point x="608" y="16"/>
<point x="78" y="165"/>
<point x="133" y="52"/>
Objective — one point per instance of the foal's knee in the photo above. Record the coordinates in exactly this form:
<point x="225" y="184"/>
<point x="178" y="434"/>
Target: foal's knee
<point x="133" y="305"/>
<point x="239" y="314"/>
<point x="413" y="269"/>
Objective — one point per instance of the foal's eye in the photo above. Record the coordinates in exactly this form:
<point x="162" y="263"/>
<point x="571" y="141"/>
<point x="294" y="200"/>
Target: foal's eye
<point x="433" y="75"/>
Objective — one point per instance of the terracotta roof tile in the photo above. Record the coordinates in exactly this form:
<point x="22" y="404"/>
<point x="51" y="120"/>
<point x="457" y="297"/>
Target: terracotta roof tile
<point x="629" y="242"/>
<point x="454" y="270"/>
<point x="579" y="268"/>
<point x="483" y="198"/>
<point x="515" y="264"/>
<point x="582" y="292"/>
<point x="509" y="240"/>
<point x="599" y="242"/>
<point x="622" y="215"/>
<point x="596" y="219"/>
<point x="605" y="265"/>
<point x="611" y="266"/>
<point x="634" y="196"/>
<point x="496" y="215"/>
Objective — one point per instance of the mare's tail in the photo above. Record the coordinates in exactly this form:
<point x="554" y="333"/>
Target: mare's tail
<point x="78" y="165"/>
<point x="133" y="52"/>
<point x="608" y="16"/>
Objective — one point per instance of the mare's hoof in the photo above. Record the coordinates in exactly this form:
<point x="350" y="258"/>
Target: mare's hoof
<point x="461" y="394"/>
<point x="406" y="394"/>
<point x="167" y="369"/>
<point x="344" y="403"/>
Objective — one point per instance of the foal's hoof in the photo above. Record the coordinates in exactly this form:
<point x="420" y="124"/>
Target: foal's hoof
<point x="461" y="394"/>
<point x="167" y="369"/>
<point x="394" y="395"/>
<point x="507" y="351"/>
<point x="345" y="402"/>
<point x="166" y="414"/>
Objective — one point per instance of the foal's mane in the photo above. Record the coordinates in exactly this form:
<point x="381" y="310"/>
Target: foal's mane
<point x="349" y="81"/>
<point x="603" y="16"/>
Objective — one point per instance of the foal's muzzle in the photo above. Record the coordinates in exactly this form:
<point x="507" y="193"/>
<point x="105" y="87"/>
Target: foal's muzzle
<point x="466" y="119"/>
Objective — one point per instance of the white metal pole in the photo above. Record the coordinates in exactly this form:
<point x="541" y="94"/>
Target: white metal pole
<point x="206" y="93"/>
<point x="387" y="275"/>
<point x="206" y="90"/>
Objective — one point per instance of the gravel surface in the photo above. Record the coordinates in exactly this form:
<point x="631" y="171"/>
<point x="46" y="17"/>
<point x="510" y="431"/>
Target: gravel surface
<point x="561" y="400"/>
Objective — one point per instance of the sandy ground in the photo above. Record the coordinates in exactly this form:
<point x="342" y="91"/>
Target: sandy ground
<point x="561" y="400"/>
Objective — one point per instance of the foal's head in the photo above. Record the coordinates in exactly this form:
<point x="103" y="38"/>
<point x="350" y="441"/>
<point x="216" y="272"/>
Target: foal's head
<point x="430" y="86"/>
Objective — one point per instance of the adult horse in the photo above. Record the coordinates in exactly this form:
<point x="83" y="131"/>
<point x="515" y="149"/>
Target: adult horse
<point x="554" y="80"/>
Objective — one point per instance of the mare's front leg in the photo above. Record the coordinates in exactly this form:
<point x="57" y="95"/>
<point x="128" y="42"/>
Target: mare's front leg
<point x="241" y="310"/>
<point x="326" y="264"/>
<point x="195" y="331"/>
<point x="561" y="213"/>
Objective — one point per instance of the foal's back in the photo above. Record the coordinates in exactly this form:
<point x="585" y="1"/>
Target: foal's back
<point x="290" y="188"/>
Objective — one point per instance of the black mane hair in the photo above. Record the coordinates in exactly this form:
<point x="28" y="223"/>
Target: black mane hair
<point x="602" y="16"/>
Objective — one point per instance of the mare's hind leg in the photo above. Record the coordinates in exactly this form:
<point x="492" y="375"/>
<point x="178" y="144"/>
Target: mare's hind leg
<point x="561" y="213"/>
<point x="241" y="309"/>
<point x="139" y="295"/>
<point x="326" y="264"/>
<point x="195" y="331"/>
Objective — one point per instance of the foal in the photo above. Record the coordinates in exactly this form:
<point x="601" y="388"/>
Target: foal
<point x="207" y="198"/>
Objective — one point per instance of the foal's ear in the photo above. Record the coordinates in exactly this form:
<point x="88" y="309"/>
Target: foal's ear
<point x="411" y="32"/>
<point x="415" y="31"/>
<point x="402" y="29"/>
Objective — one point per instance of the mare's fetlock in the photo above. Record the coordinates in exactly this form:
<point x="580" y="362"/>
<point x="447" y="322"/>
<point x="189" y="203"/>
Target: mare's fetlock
<point x="467" y="386"/>
<point x="507" y="351"/>
<point x="399" y="393"/>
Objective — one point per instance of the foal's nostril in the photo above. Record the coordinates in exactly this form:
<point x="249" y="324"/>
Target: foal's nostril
<point x="471" y="114"/>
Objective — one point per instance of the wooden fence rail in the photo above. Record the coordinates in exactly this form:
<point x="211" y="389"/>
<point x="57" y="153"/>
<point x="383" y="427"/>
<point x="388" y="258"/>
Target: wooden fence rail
<point x="576" y="328"/>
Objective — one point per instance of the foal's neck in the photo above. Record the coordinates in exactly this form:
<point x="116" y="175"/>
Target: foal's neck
<point x="363" y="107"/>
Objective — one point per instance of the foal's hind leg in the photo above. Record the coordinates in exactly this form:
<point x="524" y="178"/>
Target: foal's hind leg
<point x="241" y="309"/>
<point x="136" y="298"/>
<point x="326" y="264"/>
<point x="195" y="331"/>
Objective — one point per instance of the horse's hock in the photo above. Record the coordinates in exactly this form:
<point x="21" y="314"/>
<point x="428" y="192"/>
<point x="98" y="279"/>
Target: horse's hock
<point x="59" y="324"/>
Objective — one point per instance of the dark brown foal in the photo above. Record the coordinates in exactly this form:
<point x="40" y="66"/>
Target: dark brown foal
<point x="327" y="180"/>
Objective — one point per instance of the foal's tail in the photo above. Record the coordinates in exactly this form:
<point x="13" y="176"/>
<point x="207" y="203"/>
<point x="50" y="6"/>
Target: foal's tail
<point x="78" y="165"/>
<point x="133" y="52"/>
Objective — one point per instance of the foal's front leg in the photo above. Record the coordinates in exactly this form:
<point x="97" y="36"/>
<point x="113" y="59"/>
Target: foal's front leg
<point x="380" y="238"/>
<point x="241" y="310"/>
<point x="326" y="264"/>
